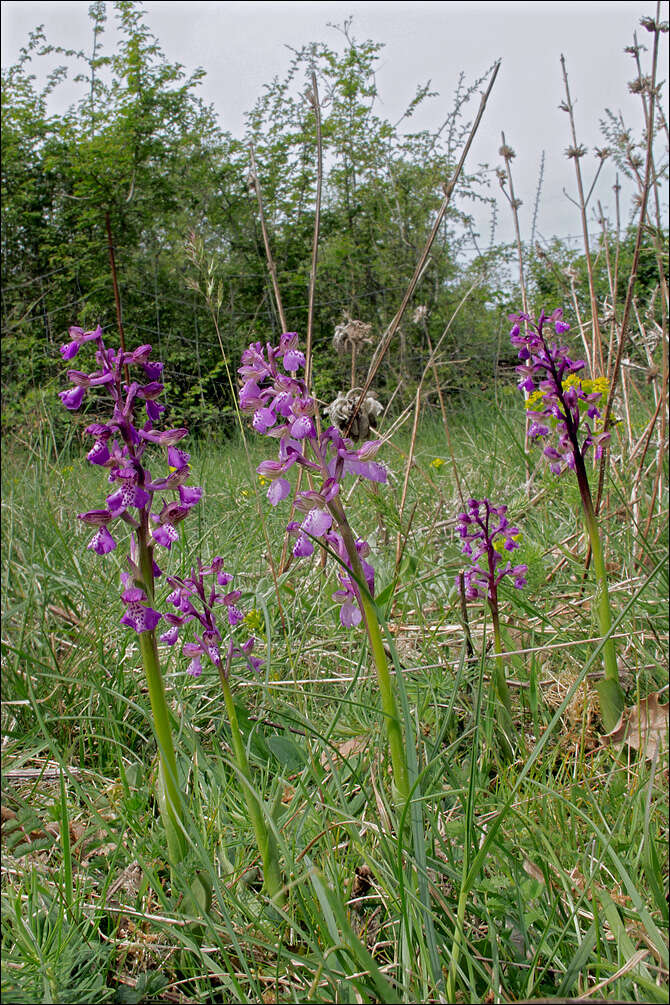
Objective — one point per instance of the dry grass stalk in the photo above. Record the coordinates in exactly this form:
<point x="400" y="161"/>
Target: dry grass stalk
<point x="272" y="269"/>
<point x="380" y="352"/>
<point x="576" y="152"/>
<point x="350" y="336"/>
<point x="313" y="96"/>
<point x="420" y="316"/>
<point x="405" y="484"/>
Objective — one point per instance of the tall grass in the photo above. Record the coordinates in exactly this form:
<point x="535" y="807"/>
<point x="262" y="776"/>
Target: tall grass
<point x="547" y="874"/>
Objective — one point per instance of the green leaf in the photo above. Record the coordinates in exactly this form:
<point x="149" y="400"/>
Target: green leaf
<point x="289" y="755"/>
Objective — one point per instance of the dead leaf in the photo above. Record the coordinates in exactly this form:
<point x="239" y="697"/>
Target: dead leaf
<point x="128" y="883"/>
<point x="355" y="745"/>
<point x="643" y="727"/>
<point x="363" y="880"/>
<point x="533" y="870"/>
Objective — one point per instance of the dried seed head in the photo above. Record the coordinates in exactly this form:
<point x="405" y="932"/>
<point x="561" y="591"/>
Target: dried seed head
<point x="641" y="85"/>
<point x="654" y="26"/>
<point x="351" y="334"/>
<point x="575" y="152"/>
<point x="341" y="410"/>
<point x="420" y="313"/>
<point x="506" y="152"/>
<point x="602" y="153"/>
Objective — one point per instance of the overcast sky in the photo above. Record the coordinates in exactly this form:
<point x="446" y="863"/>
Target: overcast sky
<point x="243" y="45"/>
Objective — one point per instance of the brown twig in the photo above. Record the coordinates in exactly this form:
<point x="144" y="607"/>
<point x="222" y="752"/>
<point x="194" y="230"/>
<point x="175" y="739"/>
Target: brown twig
<point x="449" y="190"/>
<point x="314" y="100"/>
<point x="266" y="240"/>
<point x="508" y="154"/>
<point x="633" y="269"/>
<point x="576" y="152"/>
<point x="115" y="284"/>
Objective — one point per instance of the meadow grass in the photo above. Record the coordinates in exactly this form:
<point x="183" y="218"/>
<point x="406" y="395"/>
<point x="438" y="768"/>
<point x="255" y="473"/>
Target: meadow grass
<point x="541" y="877"/>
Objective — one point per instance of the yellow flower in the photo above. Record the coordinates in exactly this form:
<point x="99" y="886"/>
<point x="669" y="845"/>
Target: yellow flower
<point x="437" y="462"/>
<point x="499" y="545"/>
<point x="534" y="399"/>
<point x="263" y="480"/>
<point x="254" y="621"/>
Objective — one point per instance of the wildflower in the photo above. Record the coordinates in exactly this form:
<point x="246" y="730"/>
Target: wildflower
<point x="558" y="398"/>
<point x="193" y="601"/>
<point x="119" y="445"/>
<point x="568" y="403"/>
<point x="437" y="463"/>
<point x="282" y="408"/>
<point x="486" y="534"/>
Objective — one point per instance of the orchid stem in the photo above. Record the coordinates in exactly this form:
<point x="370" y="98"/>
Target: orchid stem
<point x="505" y="722"/>
<point x="609" y="689"/>
<point x="393" y="728"/>
<point x="169" y="797"/>
<point x="272" y="877"/>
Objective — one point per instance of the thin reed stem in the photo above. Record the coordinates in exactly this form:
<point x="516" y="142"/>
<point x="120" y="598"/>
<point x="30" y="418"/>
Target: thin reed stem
<point x="576" y="152"/>
<point x="267" y="846"/>
<point x="386" y="340"/>
<point x="272" y="269"/>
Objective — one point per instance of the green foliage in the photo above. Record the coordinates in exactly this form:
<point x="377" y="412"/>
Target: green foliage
<point x="141" y="150"/>
<point x="542" y="917"/>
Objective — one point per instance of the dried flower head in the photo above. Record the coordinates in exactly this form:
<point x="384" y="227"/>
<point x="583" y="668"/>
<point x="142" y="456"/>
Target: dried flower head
<point x="351" y="334"/>
<point x="342" y="413"/>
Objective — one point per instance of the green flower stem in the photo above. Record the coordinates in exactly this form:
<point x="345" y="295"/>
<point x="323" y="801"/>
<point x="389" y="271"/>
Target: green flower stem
<point x="393" y="728"/>
<point x="169" y="797"/>
<point x="499" y="675"/>
<point x="272" y="877"/>
<point x="505" y="721"/>
<point x="609" y="689"/>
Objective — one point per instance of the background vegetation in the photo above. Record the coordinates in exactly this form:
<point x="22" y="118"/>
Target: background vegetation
<point x="560" y="853"/>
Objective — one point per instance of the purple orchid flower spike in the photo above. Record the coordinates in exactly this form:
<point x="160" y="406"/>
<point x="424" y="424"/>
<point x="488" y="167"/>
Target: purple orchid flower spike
<point x="486" y="534"/>
<point x="119" y="446"/>
<point x="487" y="538"/>
<point x="558" y="399"/>
<point x="282" y="408"/>
<point x="196" y="602"/>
